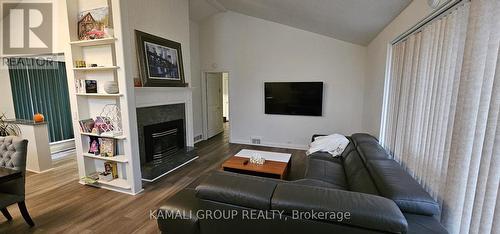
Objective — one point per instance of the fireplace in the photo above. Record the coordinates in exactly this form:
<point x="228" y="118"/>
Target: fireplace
<point x="163" y="140"/>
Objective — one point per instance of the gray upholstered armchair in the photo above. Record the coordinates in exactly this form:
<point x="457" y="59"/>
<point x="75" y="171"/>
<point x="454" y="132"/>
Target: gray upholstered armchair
<point x="13" y="151"/>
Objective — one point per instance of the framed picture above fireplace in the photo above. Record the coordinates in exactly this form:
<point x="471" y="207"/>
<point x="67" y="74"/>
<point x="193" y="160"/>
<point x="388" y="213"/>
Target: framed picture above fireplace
<point x="160" y="61"/>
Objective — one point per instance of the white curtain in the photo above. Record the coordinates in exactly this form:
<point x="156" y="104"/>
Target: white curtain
<point x="442" y="113"/>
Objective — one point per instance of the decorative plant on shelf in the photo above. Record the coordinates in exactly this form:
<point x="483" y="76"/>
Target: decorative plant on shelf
<point x="8" y="128"/>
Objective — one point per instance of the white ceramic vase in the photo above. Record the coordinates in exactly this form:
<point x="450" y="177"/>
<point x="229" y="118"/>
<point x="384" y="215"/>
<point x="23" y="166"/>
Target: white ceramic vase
<point x="111" y="87"/>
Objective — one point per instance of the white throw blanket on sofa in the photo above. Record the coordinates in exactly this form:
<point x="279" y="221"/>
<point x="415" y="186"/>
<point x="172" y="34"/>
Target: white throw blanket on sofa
<point x="334" y="144"/>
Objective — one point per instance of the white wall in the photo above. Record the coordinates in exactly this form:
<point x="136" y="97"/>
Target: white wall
<point x="163" y="18"/>
<point x="194" y="35"/>
<point x="376" y="61"/>
<point x="60" y="26"/>
<point x="254" y="51"/>
<point x="6" y="104"/>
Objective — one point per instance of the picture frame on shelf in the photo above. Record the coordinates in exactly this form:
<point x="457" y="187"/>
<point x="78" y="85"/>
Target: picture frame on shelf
<point x="95" y="24"/>
<point x="160" y="61"/>
<point x="90" y="86"/>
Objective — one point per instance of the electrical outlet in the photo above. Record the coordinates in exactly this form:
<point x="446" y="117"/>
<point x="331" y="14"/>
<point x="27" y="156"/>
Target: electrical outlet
<point x="198" y="138"/>
<point x="255" y="140"/>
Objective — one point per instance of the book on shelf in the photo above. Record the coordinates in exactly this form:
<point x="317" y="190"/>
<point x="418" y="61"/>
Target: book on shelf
<point x="108" y="147"/>
<point x="79" y="86"/>
<point x="101" y="126"/>
<point x="86" y="125"/>
<point x="94" y="145"/>
<point x="111" y="167"/>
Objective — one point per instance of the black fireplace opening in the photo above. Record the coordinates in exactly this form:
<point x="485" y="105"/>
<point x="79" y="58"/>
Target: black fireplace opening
<point x="163" y="141"/>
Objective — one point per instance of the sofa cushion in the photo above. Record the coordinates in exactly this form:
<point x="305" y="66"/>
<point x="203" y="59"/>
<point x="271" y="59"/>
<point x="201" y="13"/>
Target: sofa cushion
<point x="357" y="176"/>
<point x="418" y="224"/>
<point x="350" y="147"/>
<point x="396" y="184"/>
<point x="316" y="183"/>
<point x="359" y="138"/>
<point x="372" y="151"/>
<point x="328" y="171"/>
<point x="366" y="211"/>
<point x="237" y="189"/>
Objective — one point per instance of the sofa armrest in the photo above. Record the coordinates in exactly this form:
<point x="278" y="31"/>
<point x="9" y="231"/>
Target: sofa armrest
<point x="236" y="189"/>
<point x="365" y="210"/>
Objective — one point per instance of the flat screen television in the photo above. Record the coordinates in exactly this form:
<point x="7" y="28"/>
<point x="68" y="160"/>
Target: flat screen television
<point x="294" y="98"/>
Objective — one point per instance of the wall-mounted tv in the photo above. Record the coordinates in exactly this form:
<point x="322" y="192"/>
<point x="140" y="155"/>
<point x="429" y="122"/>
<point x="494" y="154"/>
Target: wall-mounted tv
<point x="294" y="98"/>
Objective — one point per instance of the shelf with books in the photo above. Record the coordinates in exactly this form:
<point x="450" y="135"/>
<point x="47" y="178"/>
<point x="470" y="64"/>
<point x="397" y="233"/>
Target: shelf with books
<point x="105" y="125"/>
<point x="104" y="68"/>
<point x="95" y="42"/>
<point x="91" y="97"/>
<point x="116" y="158"/>
<point x="119" y="137"/>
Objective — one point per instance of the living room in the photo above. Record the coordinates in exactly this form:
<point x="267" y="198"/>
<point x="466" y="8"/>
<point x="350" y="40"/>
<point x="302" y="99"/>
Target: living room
<point x="207" y="116"/>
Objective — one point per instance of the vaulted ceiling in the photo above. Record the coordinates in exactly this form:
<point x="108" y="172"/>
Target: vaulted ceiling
<point x="355" y="21"/>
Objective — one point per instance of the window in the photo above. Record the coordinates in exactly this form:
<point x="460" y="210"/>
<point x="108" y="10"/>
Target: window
<point x="40" y="86"/>
<point x="442" y="117"/>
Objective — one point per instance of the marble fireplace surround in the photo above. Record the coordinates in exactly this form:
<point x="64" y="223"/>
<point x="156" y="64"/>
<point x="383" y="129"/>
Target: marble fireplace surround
<point x="159" y="104"/>
<point x="159" y="96"/>
<point x="155" y="115"/>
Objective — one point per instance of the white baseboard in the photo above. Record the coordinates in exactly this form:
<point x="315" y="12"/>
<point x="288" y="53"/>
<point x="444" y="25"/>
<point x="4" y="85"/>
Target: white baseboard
<point x="38" y="172"/>
<point x="60" y="146"/>
<point x="200" y="140"/>
<point x="270" y="144"/>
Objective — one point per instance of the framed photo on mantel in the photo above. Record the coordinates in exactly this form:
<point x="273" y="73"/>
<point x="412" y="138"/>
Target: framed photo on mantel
<point x="160" y="61"/>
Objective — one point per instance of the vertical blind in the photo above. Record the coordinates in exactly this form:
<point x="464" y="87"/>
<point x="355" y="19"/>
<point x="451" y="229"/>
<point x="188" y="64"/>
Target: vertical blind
<point x="442" y="113"/>
<point x="41" y="87"/>
<point x="423" y="88"/>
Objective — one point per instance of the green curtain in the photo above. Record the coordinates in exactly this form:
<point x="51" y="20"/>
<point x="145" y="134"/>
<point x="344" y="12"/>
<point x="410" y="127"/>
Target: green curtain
<point x="39" y="86"/>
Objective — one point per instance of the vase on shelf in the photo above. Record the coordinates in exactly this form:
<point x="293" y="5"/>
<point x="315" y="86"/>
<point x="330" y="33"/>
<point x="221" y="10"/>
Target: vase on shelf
<point x="111" y="87"/>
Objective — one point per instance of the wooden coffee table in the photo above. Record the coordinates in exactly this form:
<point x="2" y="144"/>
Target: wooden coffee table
<point x="275" y="166"/>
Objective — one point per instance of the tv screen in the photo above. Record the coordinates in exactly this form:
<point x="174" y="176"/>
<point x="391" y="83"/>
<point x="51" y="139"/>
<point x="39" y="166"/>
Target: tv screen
<point x="294" y="98"/>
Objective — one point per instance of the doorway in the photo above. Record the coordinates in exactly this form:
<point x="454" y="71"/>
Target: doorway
<point x="215" y="103"/>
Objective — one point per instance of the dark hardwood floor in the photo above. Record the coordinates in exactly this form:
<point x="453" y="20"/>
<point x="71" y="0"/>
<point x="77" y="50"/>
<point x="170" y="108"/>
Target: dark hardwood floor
<point x="59" y="204"/>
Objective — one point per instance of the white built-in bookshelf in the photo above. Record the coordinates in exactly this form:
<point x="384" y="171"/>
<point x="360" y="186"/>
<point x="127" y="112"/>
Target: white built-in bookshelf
<point x="108" y="54"/>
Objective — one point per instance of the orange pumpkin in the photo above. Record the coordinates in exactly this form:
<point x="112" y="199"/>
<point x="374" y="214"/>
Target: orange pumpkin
<point x="38" y="118"/>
